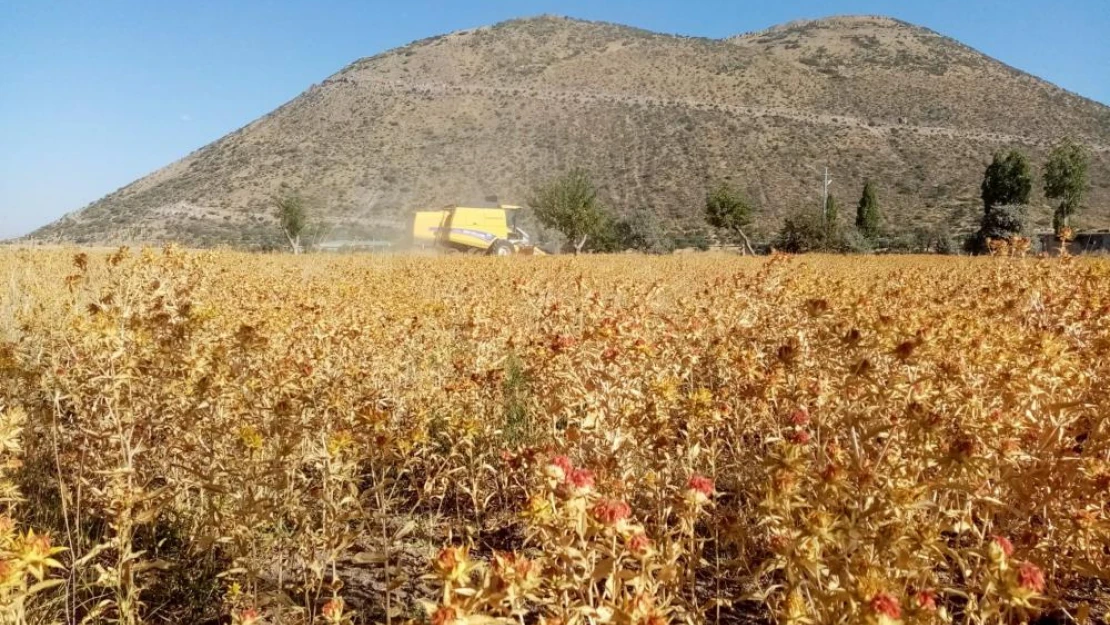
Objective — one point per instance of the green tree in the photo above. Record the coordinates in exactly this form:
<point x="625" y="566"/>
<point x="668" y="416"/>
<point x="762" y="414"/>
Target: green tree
<point x="643" y="233"/>
<point x="813" y="232"/>
<point x="570" y="205"/>
<point x="940" y="240"/>
<point x="801" y="233"/>
<point x="1065" y="179"/>
<point x="1004" y="222"/>
<point x="1007" y="181"/>
<point x="615" y="235"/>
<point x="726" y="209"/>
<point x="832" y="215"/>
<point x="1001" y="222"/>
<point x="292" y="216"/>
<point x="867" y="212"/>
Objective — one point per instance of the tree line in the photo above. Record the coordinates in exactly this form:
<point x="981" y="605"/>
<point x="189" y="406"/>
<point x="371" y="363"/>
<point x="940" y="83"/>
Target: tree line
<point x="1008" y="183"/>
<point x="570" y="205"/>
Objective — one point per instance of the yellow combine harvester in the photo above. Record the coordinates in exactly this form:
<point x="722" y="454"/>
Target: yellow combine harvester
<point x="489" y="230"/>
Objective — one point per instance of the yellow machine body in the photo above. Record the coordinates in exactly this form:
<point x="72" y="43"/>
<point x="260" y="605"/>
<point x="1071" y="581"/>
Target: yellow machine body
<point x="464" y="228"/>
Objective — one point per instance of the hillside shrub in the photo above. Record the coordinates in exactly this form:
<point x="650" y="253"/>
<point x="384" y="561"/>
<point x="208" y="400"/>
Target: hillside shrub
<point x="811" y="232"/>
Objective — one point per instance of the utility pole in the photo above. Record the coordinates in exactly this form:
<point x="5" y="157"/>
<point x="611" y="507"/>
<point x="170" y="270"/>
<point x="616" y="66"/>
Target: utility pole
<point x="825" y="195"/>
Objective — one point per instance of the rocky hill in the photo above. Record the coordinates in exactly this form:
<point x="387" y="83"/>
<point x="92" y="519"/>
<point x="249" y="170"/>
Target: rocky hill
<point x="656" y="118"/>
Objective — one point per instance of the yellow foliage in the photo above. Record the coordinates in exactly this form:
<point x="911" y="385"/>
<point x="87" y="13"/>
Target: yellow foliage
<point x="625" y="439"/>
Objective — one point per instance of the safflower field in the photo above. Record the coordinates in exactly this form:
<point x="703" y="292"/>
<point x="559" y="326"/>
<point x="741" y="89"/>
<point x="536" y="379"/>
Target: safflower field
<point x="217" y="437"/>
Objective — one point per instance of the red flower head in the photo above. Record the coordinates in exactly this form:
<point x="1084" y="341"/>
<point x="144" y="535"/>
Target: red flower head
<point x="800" y="417"/>
<point x="249" y="616"/>
<point x="559" y="468"/>
<point x="639" y="543"/>
<point x="926" y="600"/>
<point x="1004" y="545"/>
<point x="333" y="609"/>
<point x="1031" y="577"/>
<point x="611" y="511"/>
<point x="799" y="437"/>
<point x="701" y="484"/>
<point x="445" y="614"/>
<point x="563" y="463"/>
<point x="887" y="605"/>
<point x="581" y="479"/>
<point x="699" y="489"/>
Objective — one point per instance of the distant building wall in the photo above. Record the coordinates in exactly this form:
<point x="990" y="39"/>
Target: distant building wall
<point x="1084" y="243"/>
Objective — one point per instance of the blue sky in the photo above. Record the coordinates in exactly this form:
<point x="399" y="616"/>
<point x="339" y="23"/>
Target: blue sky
<point x="94" y="94"/>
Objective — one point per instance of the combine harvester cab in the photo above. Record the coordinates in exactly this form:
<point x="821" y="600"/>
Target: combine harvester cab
<point x="491" y="231"/>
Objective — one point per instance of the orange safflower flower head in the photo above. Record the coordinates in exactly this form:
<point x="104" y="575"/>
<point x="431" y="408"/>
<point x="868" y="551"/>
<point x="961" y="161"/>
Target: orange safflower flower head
<point x="246" y="616"/>
<point x="611" y="511"/>
<point x="453" y="563"/>
<point x="333" y="610"/>
<point x="580" y="480"/>
<point x="639" y="544"/>
<point x="886" y="608"/>
<point x="1000" y="549"/>
<point x="699" y="489"/>
<point x="1030" y="577"/>
<point x="926" y="600"/>
<point x="799" y="417"/>
<point x="445" y="615"/>
<point x="559" y="468"/>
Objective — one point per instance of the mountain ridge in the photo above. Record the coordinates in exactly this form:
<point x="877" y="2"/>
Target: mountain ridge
<point x="657" y="117"/>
